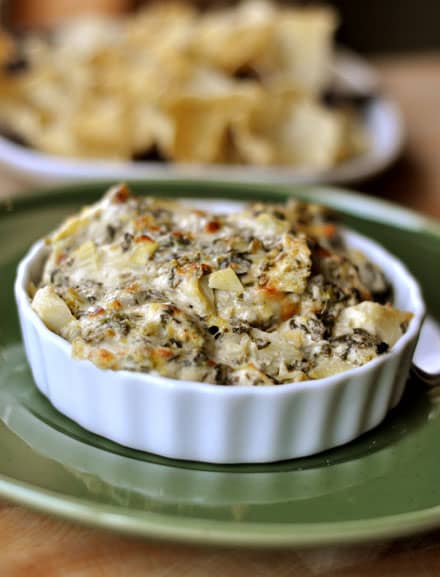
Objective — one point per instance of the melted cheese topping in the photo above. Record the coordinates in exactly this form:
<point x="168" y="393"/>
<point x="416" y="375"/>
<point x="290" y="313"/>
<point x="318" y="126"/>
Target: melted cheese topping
<point x="264" y="296"/>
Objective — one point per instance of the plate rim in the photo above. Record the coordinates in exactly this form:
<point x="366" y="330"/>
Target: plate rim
<point x="208" y="532"/>
<point x="226" y="533"/>
<point x="351" y="201"/>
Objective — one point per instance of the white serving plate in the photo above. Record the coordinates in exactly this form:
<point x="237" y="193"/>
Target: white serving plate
<point x="203" y="422"/>
<point x="381" y="119"/>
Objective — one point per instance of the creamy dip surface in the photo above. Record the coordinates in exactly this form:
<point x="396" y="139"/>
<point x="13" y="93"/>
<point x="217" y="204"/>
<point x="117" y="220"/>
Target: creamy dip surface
<point x="264" y="296"/>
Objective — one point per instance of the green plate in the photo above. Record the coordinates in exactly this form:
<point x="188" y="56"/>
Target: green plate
<point x="385" y="484"/>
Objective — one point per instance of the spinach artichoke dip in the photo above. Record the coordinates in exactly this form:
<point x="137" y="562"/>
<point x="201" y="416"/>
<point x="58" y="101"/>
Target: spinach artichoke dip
<point x="265" y="296"/>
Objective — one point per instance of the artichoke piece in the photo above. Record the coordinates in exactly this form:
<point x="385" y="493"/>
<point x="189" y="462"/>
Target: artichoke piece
<point x="52" y="310"/>
<point x="225" y="279"/>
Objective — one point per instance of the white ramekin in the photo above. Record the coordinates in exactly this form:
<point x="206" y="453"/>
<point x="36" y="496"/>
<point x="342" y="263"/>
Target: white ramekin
<point x="203" y="422"/>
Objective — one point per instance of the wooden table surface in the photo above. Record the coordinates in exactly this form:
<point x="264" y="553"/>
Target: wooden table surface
<point x="34" y="545"/>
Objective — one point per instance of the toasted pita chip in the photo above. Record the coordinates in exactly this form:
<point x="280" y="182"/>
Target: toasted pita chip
<point x="210" y="104"/>
<point x="301" y="52"/>
<point x="309" y="136"/>
<point x="232" y="38"/>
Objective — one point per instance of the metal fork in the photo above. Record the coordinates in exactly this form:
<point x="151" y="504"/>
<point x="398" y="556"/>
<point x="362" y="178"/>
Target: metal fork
<point x="426" y="361"/>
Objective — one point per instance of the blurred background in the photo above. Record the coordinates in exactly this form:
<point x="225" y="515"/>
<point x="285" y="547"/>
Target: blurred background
<point x="368" y="26"/>
<point x="401" y="42"/>
<point x="375" y="26"/>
